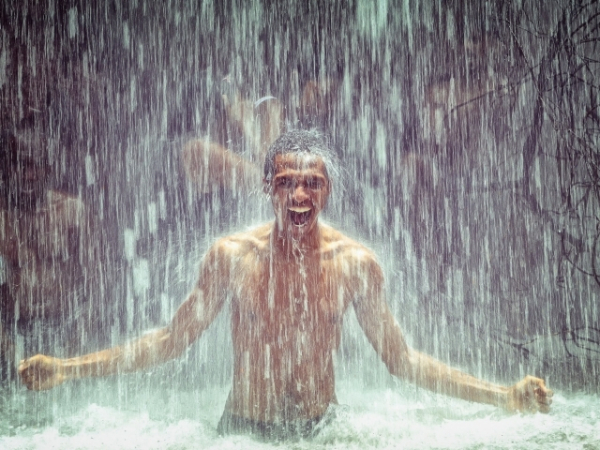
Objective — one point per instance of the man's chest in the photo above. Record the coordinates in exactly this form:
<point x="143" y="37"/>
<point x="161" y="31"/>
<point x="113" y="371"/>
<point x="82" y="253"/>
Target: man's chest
<point x="288" y="298"/>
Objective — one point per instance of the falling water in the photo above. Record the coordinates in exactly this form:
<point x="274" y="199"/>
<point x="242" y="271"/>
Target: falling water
<point x="469" y="139"/>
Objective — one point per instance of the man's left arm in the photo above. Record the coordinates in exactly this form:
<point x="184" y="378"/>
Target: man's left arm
<point x="384" y="333"/>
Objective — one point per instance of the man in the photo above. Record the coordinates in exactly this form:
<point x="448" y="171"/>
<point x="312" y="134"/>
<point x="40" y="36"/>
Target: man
<point x="289" y="284"/>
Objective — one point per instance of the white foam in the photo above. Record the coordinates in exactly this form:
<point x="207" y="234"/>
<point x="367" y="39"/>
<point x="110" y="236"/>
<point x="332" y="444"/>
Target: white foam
<point x="398" y="417"/>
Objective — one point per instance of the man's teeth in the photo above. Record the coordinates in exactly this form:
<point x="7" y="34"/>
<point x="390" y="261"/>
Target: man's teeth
<point x="299" y="209"/>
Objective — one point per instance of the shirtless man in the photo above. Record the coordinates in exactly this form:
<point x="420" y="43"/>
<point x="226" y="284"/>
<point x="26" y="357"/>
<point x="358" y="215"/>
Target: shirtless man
<point x="289" y="284"/>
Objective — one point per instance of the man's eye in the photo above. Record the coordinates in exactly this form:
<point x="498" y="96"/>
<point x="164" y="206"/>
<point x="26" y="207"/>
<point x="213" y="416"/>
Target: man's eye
<point x="314" y="184"/>
<point x="284" y="182"/>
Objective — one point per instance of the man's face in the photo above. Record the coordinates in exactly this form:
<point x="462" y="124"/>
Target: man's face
<point x="299" y="192"/>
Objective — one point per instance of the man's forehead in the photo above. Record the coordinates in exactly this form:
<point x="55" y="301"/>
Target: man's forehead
<point x="299" y="161"/>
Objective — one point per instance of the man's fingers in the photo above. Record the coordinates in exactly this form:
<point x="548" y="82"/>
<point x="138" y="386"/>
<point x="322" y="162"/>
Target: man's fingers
<point x="539" y="397"/>
<point x="38" y="385"/>
<point x="23" y="365"/>
<point x="27" y="373"/>
<point x="544" y="409"/>
<point x="37" y="373"/>
<point x="543" y="396"/>
<point x="532" y="395"/>
<point x="548" y="392"/>
<point x="544" y="401"/>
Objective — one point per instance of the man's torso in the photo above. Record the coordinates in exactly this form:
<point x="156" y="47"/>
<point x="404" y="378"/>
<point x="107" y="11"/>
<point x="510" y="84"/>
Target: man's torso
<point x="286" y="323"/>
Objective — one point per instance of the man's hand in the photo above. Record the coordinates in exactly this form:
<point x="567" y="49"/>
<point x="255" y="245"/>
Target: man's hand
<point x="40" y="372"/>
<point x="529" y="395"/>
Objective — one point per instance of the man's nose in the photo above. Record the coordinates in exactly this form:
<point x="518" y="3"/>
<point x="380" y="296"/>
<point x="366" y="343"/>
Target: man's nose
<point x="299" y="193"/>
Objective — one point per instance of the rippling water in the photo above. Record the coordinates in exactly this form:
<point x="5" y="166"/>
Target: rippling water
<point x="133" y="413"/>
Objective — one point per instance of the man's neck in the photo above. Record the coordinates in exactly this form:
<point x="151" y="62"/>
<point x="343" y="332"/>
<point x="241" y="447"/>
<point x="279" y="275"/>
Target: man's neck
<point x="304" y="246"/>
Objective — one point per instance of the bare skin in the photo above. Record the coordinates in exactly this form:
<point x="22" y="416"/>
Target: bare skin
<point x="289" y="283"/>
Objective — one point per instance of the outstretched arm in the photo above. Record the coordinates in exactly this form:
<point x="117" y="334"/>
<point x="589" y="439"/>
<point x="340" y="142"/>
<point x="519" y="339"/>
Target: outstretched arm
<point x="384" y="333"/>
<point x="191" y="319"/>
<point x="529" y="395"/>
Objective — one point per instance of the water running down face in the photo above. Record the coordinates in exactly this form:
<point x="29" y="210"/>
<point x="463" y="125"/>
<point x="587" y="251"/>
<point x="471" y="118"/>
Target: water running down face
<point x="299" y="192"/>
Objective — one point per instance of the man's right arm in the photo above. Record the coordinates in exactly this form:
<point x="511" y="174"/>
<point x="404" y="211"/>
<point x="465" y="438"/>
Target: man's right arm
<point x="382" y="330"/>
<point x="191" y="319"/>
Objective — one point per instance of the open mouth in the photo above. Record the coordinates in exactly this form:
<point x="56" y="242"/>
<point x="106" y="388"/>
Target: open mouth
<point x="300" y="215"/>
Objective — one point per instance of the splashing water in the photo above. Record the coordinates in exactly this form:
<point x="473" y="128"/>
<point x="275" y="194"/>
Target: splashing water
<point x="398" y="417"/>
<point x="469" y="136"/>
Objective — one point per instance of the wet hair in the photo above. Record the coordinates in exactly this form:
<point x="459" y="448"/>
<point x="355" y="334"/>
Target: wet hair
<point x="303" y="141"/>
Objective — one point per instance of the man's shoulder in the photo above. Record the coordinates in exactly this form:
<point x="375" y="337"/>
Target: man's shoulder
<point x="248" y="240"/>
<point x="341" y="245"/>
